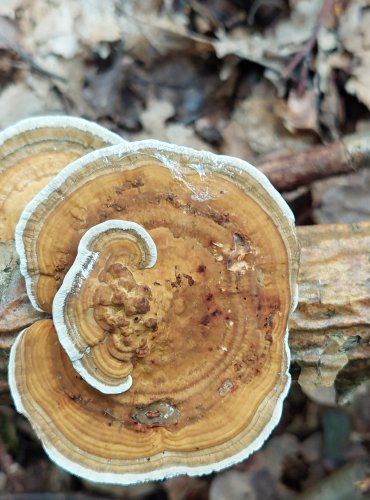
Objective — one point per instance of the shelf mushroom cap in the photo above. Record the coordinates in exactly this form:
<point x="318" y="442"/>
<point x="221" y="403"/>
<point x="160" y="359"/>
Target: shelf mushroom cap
<point x="210" y="371"/>
<point x="33" y="151"/>
<point x="108" y="184"/>
<point x="116" y="439"/>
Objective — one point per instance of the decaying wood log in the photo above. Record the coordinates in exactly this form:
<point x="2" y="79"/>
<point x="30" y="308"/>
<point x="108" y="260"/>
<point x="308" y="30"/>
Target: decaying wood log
<point x="329" y="331"/>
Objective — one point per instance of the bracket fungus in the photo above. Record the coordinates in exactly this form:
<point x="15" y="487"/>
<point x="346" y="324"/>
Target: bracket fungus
<point x="176" y="272"/>
<point x="33" y="151"/>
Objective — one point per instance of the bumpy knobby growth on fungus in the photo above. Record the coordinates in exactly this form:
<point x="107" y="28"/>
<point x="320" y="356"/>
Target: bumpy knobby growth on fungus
<point x="102" y="315"/>
<point x="202" y="332"/>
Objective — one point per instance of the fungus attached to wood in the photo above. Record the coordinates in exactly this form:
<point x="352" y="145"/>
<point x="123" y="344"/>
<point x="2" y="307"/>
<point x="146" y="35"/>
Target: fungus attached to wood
<point x="33" y="151"/>
<point x="193" y="304"/>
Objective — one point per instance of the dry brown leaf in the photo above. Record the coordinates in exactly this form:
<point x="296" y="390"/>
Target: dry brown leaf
<point x="19" y="101"/>
<point x="146" y="34"/>
<point x="154" y="119"/>
<point x="185" y="136"/>
<point x="343" y="199"/>
<point x="187" y="488"/>
<point x="246" y="45"/>
<point x="97" y="22"/>
<point x="358" y="84"/>
<point x="235" y="142"/>
<point x="50" y="28"/>
<point x="271" y="48"/>
<point x="155" y="127"/>
<point x="355" y="36"/>
<point x="233" y="484"/>
<point x="259" y="126"/>
<point x="301" y="112"/>
<point x="63" y="28"/>
<point x="260" y="476"/>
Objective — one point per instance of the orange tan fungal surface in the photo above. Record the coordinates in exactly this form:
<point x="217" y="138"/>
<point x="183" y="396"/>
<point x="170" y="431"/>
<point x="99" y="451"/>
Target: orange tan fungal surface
<point x="35" y="151"/>
<point x="147" y="430"/>
<point x="139" y="187"/>
<point x="203" y="333"/>
<point x="188" y="301"/>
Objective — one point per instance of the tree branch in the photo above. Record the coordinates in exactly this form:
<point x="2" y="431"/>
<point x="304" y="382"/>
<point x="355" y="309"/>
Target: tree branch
<point x="341" y="157"/>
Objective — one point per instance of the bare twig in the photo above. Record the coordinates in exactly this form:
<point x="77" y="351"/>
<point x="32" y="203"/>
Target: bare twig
<point x="340" y="157"/>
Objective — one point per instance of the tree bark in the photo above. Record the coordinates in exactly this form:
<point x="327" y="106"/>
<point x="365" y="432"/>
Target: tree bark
<point x="329" y="331"/>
